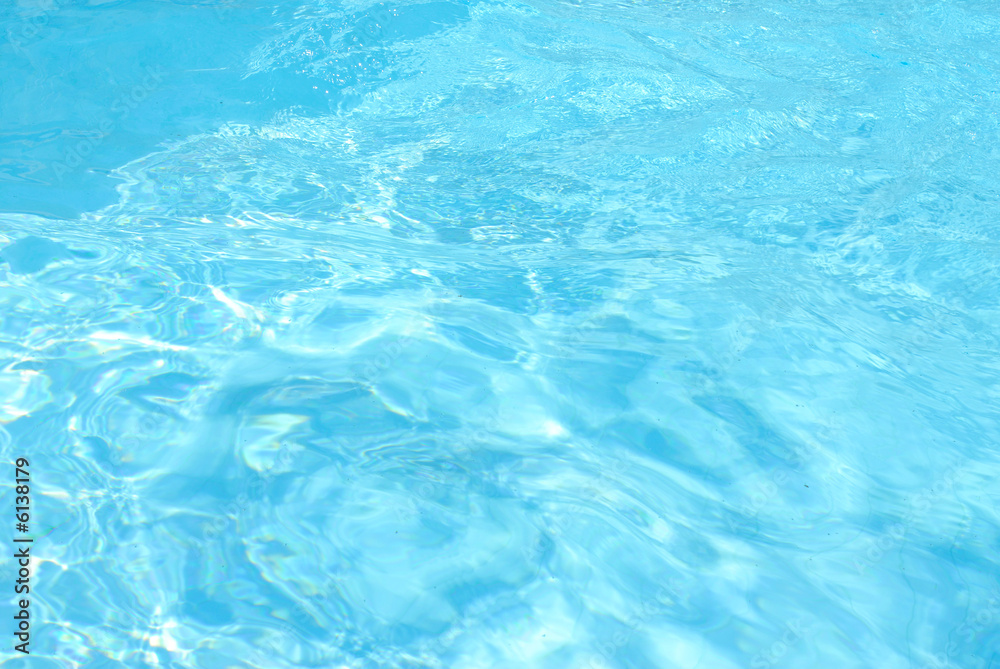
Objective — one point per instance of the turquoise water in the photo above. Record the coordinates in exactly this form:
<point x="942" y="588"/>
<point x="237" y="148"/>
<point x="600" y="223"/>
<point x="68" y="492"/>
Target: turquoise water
<point x="539" y="334"/>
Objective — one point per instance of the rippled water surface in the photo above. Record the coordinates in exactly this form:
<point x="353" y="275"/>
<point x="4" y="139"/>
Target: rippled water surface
<point x="471" y="334"/>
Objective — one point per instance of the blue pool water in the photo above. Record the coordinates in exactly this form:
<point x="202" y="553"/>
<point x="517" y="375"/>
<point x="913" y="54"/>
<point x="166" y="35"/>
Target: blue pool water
<point x="472" y="334"/>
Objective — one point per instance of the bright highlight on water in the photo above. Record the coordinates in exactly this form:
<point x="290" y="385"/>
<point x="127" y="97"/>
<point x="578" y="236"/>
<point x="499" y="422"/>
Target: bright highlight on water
<point x="488" y="334"/>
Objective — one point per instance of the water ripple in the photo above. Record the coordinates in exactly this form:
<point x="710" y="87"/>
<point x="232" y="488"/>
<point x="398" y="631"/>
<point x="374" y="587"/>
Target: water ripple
<point x="550" y="334"/>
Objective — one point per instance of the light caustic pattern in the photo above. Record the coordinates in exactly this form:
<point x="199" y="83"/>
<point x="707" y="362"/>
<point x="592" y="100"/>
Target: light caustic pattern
<point x="504" y="334"/>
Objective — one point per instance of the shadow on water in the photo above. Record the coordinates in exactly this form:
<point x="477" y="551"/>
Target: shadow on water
<point x="68" y="120"/>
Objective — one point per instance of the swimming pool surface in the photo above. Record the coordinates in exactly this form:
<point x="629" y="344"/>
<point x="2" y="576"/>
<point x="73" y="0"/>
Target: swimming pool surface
<point x="498" y="334"/>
